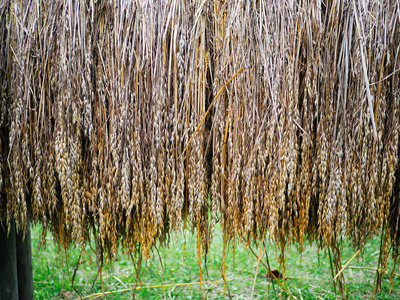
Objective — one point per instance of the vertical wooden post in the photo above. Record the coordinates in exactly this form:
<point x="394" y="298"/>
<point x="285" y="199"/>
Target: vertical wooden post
<point x="16" y="280"/>
<point x="24" y="265"/>
<point x="8" y="263"/>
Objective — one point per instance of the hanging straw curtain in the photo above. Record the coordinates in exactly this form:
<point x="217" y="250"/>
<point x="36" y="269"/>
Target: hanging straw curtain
<point x="109" y="126"/>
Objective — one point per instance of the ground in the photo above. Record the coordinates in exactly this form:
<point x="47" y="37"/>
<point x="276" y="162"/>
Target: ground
<point x="308" y="274"/>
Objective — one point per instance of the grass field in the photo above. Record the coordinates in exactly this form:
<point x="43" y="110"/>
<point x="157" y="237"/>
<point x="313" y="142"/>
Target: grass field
<point x="308" y="274"/>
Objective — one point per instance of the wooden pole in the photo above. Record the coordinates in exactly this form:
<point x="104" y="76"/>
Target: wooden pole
<point x="16" y="280"/>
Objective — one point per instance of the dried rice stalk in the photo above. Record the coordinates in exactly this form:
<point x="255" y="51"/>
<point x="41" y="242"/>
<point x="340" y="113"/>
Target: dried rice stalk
<point x="98" y="101"/>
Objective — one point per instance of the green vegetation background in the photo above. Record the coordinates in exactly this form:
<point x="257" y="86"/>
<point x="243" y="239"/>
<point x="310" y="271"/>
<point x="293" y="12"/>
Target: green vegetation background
<point x="308" y="273"/>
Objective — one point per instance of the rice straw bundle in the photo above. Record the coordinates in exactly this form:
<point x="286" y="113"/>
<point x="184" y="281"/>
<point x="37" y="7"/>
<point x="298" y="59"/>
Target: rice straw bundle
<point x="103" y="130"/>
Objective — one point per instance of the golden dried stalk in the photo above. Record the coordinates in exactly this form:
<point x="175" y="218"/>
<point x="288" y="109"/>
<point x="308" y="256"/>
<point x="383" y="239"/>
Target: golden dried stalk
<point x="99" y="101"/>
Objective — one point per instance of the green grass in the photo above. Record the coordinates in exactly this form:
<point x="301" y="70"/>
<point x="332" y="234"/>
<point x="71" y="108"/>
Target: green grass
<point x="309" y="275"/>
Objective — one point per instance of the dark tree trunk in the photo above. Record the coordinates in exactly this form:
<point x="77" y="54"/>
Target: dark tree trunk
<point x="16" y="281"/>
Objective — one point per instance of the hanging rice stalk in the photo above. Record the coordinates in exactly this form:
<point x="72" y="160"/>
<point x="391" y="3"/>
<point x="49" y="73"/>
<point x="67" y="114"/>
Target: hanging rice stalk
<point x="109" y="128"/>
